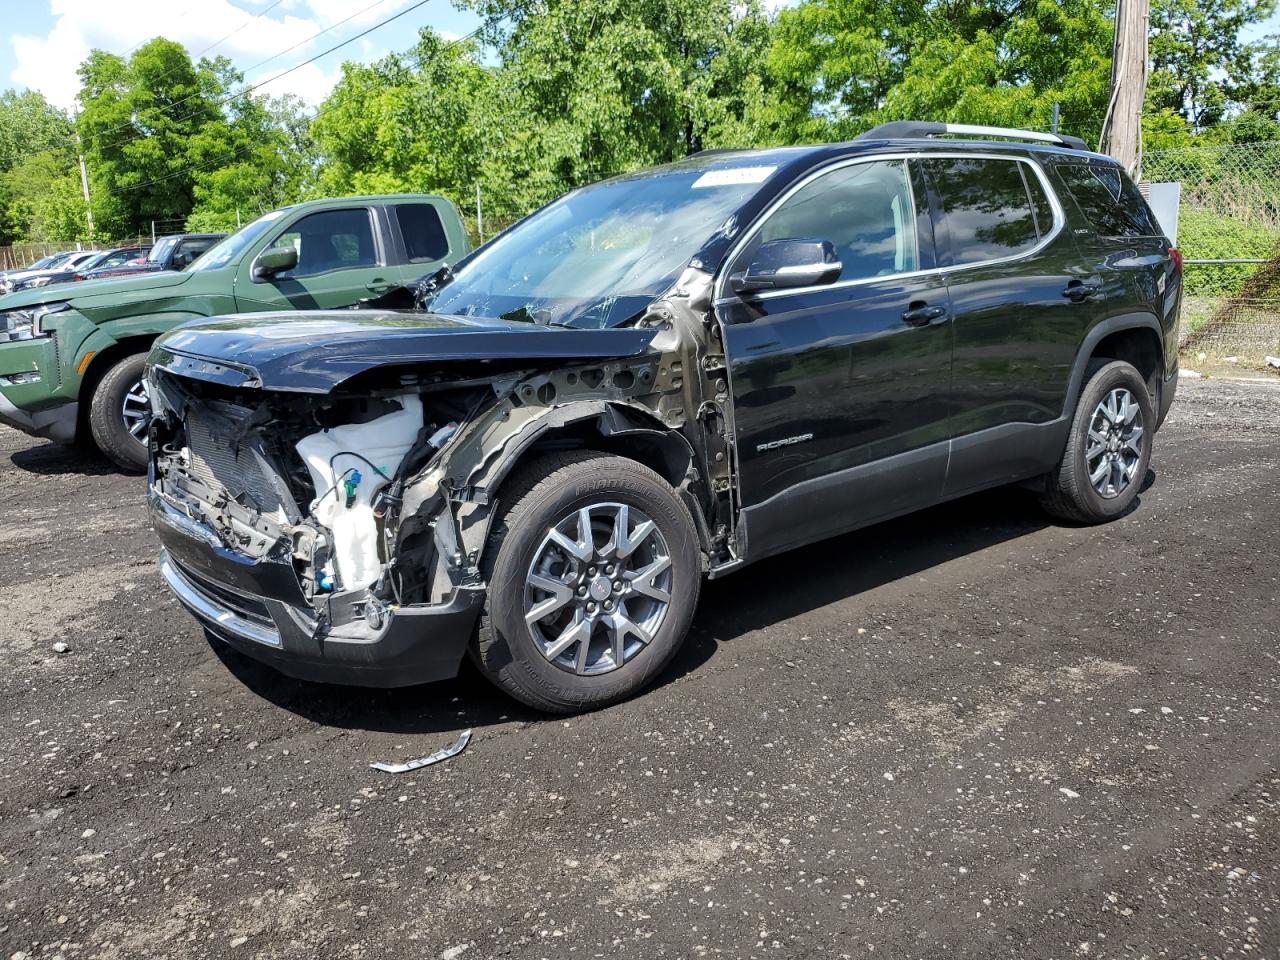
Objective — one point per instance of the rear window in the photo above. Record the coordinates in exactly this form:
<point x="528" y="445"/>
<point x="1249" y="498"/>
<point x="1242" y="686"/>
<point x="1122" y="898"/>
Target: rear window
<point x="423" y="233"/>
<point x="1109" y="200"/>
<point x="988" y="207"/>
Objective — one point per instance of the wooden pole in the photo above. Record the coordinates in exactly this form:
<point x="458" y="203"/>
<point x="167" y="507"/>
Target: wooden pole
<point x="1122" y="128"/>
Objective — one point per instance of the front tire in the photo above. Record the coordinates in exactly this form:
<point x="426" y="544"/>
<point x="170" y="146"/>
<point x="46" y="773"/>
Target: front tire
<point x="117" y="413"/>
<point x="1109" y="447"/>
<point x="594" y="572"/>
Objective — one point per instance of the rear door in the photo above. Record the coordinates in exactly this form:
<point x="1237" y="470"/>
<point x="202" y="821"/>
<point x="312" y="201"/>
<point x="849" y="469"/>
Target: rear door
<point x="426" y="243"/>
<point x="840" y="390"/>
<point x="342" y="258"/>
<point x="1021" y="294"/>
<point x="1128" y="245"/>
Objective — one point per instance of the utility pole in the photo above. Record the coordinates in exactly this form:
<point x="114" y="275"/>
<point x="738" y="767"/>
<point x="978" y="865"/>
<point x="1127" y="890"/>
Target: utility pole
<point x="1122" y="127"/>
<point x="84" y="187"/>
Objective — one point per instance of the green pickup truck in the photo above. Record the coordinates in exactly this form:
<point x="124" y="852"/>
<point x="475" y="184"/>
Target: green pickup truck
<point x="71" y="356"/>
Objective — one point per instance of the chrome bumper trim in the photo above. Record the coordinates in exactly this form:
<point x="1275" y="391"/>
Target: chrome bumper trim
<point x="219" y="617"/>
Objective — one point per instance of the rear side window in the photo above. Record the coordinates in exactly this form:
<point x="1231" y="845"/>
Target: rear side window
<point x="423" y="233"/>
<point x="993" y="208"/>
<point x="1109" y="200"/>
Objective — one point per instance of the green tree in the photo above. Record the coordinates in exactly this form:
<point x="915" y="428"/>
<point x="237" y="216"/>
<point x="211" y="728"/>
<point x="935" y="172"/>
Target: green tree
<point x="1201" y="65"/>
<point x="36" y="149"/>
<point x="838" y="67"/>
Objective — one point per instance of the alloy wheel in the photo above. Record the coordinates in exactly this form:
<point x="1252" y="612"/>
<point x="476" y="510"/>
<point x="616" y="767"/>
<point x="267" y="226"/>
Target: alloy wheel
<point x="598" y="588"/>
<point x="1114" y="447"/>
<point x="135" y="410"/>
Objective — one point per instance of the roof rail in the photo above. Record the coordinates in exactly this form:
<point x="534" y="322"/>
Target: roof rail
<point x="912" y="129"/>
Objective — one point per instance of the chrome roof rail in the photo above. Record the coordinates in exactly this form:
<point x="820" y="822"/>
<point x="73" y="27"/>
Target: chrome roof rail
<point x="914" y="129"/>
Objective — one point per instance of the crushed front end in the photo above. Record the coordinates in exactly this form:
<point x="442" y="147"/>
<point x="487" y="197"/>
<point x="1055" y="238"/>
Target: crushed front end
<point x="279" y="518"/>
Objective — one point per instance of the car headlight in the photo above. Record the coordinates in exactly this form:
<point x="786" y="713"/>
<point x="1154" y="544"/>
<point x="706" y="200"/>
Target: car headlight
<point x="23" y="323"/>
<point x="33" y="283"/>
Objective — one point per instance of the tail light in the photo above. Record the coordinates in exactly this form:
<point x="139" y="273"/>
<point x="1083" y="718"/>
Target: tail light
<point x="1175" y="255"/>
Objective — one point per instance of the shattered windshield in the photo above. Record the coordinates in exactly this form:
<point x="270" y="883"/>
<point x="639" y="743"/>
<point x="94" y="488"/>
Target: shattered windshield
<point x="598" y="256"/>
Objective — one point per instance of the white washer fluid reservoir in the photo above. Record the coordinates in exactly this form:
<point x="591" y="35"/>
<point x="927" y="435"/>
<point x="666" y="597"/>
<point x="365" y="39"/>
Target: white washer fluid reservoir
<point x="334" y="458"/>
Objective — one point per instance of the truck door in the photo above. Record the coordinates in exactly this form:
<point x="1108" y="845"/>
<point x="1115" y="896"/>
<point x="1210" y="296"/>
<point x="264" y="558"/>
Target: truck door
<point x="841" y="391"/>
<point x="341" y="259"/>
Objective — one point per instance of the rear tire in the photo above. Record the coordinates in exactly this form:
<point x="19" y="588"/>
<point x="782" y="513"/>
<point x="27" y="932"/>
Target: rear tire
<point x="107" y="420"/>
<point x="1109" y="447"/>
<point x="604" y="546"/>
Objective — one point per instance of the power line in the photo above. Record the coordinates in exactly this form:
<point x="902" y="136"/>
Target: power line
<point x="321" y="111"/>
<point x="261" y="63"/>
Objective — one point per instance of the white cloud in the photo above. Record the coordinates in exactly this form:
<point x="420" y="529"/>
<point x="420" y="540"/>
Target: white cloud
<point x="48" y="63"/>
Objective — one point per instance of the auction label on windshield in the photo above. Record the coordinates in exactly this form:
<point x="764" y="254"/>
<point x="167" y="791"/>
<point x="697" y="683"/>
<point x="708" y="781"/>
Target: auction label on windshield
<point x="734" y="175"/>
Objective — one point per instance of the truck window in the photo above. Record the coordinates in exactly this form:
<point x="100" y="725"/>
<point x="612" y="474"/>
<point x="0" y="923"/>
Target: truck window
<point x="1109" y="200"/>
<point x="986" y="207"/>
<point x="424" y="238"/>
<point x="865" y="211"/>
<point x="330" y="240"/>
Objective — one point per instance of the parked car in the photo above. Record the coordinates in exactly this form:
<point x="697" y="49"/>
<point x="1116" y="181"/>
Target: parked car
<point x="44" y="263"/>
<point x="669" y="374"/>
<point x="169" y="253"/>
<point x="34" y="277"/>
<point x="110" y="260"/>
<point x="71" y="356"/>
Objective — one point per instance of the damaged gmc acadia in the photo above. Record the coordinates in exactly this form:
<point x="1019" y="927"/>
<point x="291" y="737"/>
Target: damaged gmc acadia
<point x="536" y="456"/>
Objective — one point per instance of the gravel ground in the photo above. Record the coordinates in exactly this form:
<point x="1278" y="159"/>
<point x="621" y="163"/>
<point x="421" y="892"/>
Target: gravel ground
<point x="966" y="733"/>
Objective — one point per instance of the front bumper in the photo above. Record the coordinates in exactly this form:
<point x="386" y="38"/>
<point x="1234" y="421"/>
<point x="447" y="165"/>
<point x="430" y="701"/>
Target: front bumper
<point x="257" y="607"/>
<point x="55" y="423"/>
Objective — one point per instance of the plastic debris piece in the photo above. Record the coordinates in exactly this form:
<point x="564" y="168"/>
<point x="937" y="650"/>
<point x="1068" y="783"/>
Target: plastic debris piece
<point x="451" y="751"/>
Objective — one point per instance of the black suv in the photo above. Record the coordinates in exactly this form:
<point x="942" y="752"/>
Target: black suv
<point x="538" y="455"/>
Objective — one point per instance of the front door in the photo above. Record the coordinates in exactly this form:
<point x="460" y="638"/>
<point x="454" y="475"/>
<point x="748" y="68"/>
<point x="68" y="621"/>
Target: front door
<point x="841" y="391"/>
<point x="340" y="261"/>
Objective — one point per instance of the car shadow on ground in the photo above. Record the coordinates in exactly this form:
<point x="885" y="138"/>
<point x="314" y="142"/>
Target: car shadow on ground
<point x="761" y="595"/>
<point x="49" y="459"/>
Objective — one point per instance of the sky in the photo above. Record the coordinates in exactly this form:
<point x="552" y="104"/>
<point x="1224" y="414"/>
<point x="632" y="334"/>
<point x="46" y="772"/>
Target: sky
<point x="43" y="41"/>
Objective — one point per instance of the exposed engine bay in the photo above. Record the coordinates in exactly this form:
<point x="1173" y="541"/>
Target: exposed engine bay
<point x="379" y="493"/>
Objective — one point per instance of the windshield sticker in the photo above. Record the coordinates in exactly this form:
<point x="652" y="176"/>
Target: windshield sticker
<point x="734" y="175"/>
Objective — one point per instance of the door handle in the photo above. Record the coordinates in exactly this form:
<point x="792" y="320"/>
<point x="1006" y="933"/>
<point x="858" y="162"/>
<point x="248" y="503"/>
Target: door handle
<point x="919" y="313"/>
<point x="1077" y="291"/>
<point x="378" y="286"/>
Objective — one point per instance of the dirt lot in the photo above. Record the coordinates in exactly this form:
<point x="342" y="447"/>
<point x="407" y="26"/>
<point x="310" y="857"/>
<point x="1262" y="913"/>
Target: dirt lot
<point x="968" y="733"/>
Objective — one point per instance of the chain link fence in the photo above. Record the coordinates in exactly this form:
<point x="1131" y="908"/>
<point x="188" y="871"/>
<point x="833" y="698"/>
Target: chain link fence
<point x="1229" y="235"/>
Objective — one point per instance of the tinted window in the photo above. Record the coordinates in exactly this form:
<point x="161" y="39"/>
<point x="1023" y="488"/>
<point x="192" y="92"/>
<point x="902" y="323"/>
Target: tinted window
<point x="330" y="240"/>
<point x="423" y="232"/>
<point x="986" y="207"/>
<point x="864" y="210"/>
<point x="193" y="248"/>
<point x="1109" y="200"/>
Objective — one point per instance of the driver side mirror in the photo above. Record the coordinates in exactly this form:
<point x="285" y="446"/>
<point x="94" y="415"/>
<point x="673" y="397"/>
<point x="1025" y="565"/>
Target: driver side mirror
<point x="781" y="264"/>
<point x="274" y="260"/>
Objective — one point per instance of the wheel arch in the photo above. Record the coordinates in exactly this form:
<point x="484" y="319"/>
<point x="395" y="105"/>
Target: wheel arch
<point x="102" y="361"/>
<point x="1136" y="338"/>
<point x="609" y="426"/>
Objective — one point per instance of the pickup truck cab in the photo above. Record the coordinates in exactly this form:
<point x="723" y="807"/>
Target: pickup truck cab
<point x="169" y="253"/>
<point x="71" y="357"/>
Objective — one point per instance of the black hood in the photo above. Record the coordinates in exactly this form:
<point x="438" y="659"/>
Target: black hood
<point x="314" y="352"/>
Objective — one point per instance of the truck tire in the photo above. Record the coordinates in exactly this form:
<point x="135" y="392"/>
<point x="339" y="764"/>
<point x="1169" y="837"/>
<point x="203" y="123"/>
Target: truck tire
<point x="594" y="570"/>
<point x="1109" y="447"/>
<point x="113" y="411"/>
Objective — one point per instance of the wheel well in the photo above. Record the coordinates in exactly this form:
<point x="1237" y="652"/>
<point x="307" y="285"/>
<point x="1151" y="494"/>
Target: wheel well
<point x="1138" y="346"/>
<point x="103" y="361"/>
<point x="663" y="451"/>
